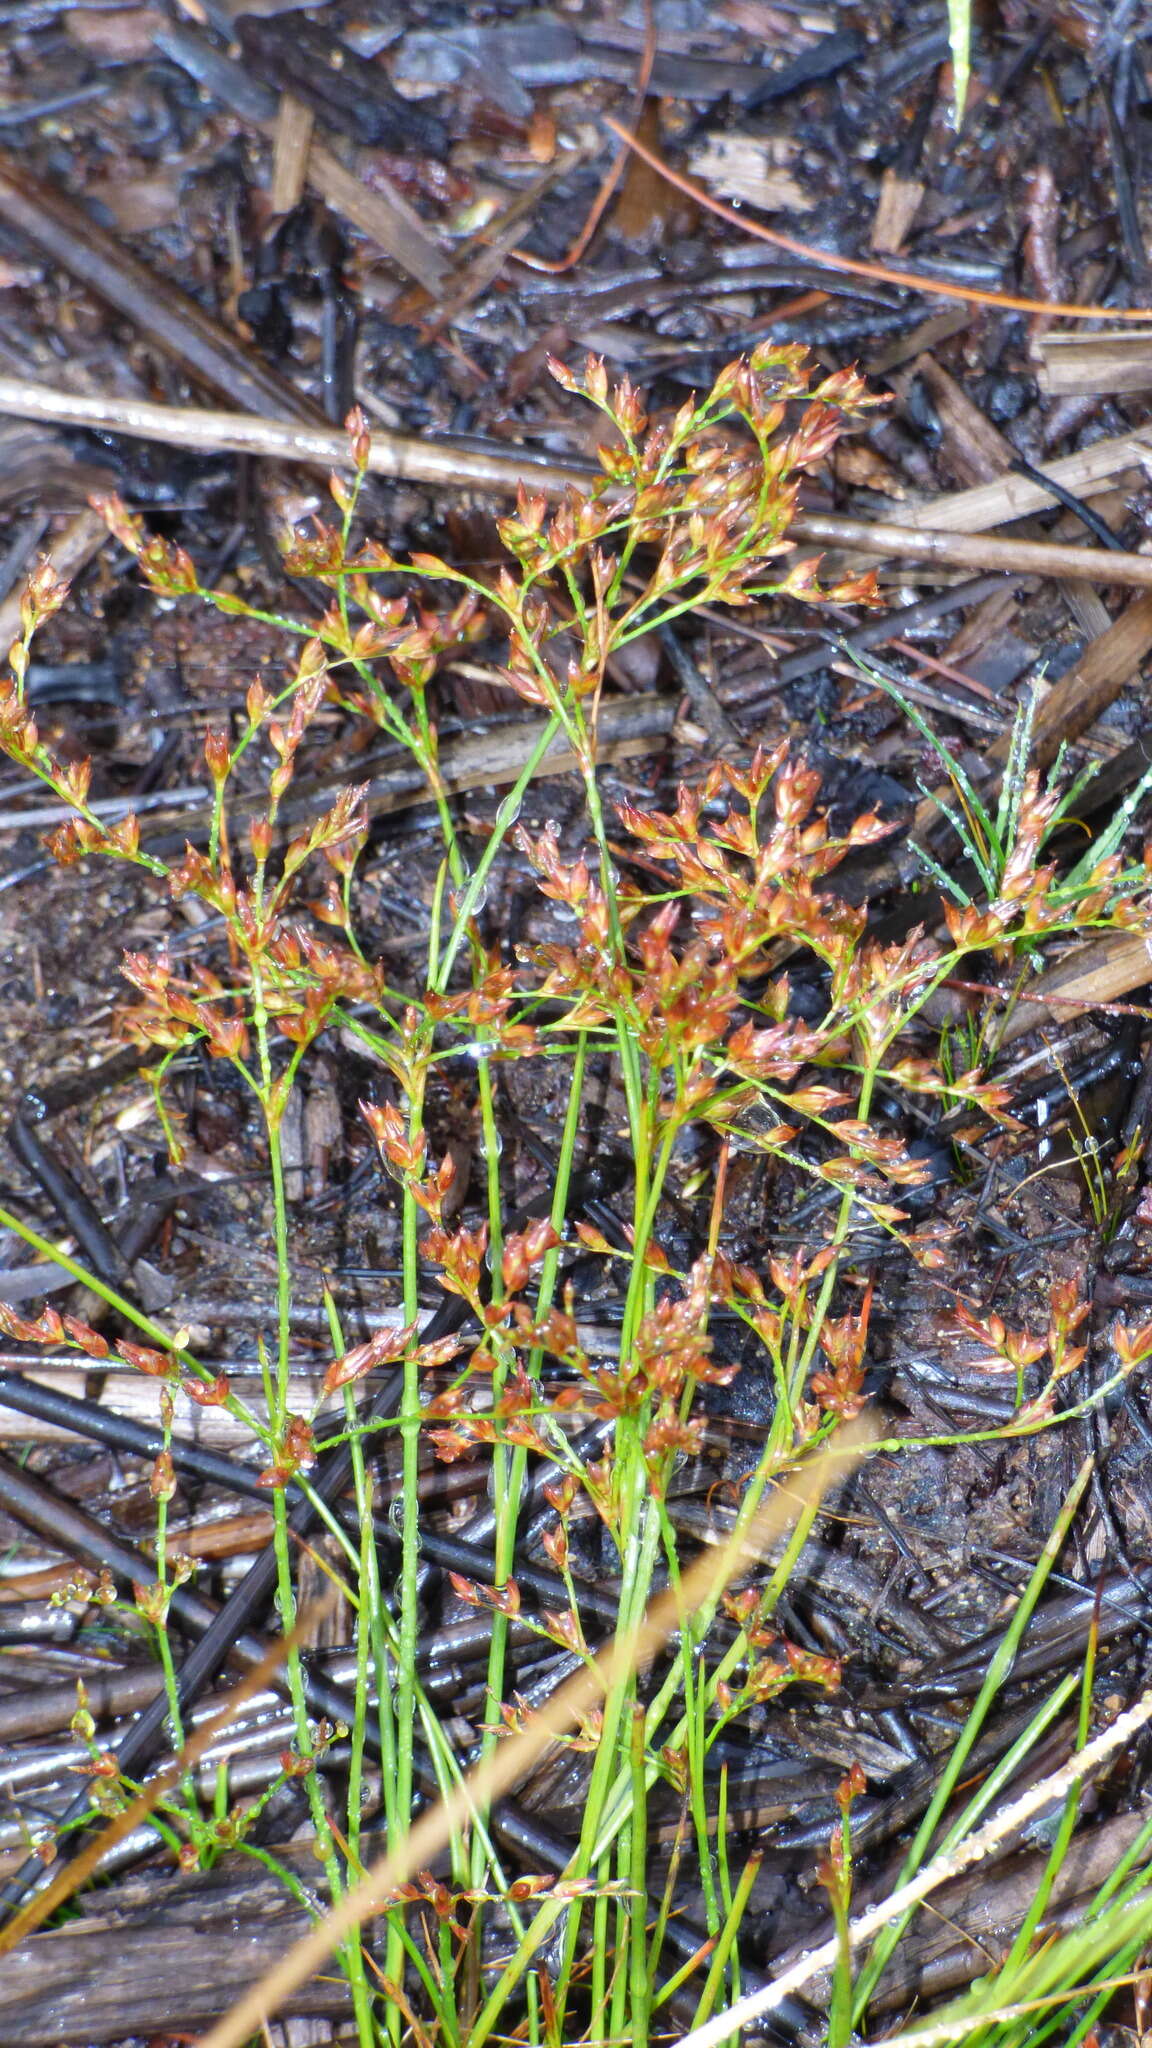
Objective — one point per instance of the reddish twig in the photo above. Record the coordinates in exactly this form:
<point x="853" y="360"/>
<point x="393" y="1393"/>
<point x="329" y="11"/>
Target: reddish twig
<point x="854" y="267"/>
<point x="612" y="179"/>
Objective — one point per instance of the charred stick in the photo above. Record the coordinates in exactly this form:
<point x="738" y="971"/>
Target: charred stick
<point x="1098" y="527"/>
<point x="16" y="115"/>
<point x="29" y="1714"/>
<point x="107" y="1425"/>
<point x="69" y="1527"/>
<point x="459" y="1553"/>
<point x="35" y="1502"/>
<point x="113" y="1259"/>
<point x="76" y="1211"/>
<point x="345" y="91"/>
<point x="112" y="1694"/>
<point x="882" y="1818"/>
<point x="1057" y="1638"/>
<point x="225" y="1630"/>
<point x="1119" y="106"/>
<point x="879" y="633"/>
<point x="700" y="692"/>
<point x="100" y="1425"/>
<point x="821" y="60"/>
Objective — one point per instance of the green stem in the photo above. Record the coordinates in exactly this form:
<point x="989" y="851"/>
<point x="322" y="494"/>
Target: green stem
<point x="640" y="1987"/>
<point x="477" y="882"/>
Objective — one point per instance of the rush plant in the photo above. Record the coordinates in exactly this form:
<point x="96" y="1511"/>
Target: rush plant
<point x="675" y="935"/>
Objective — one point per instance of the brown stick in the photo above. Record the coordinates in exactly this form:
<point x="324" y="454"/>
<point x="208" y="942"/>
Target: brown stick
<point x="403" y="455"/>
<point x="975" y="551"/>
<point x="1089" y="978"/>
<point x="1106" y="667"/>
<point x="154" y="304"/>
<point x="267" y="434"/>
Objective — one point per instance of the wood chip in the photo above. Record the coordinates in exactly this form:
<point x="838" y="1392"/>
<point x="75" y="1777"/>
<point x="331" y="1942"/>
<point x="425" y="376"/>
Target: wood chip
<point x="122" y="36"/>
<point x="1016" y="497"/>
<point x="976" y="451"/>
<point x="1104" y="971"/>
<point x="290" y="148"/>
<point x="1093" y="365"/>
<point x="896" y="209"/>
<point x="1105" y="668"/>
<point x="752" y="168"/>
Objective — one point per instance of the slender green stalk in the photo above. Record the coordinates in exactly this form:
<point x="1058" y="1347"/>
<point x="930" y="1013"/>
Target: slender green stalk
<point x="640" y="1984"/>
<point x="723" y="1954"/>
<point x="998" y="1671"/>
